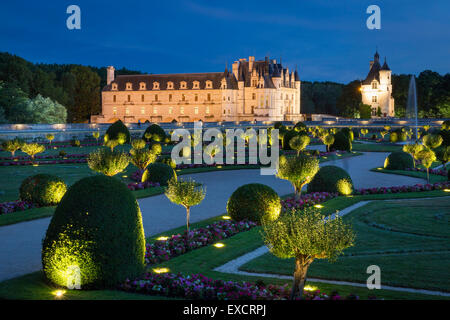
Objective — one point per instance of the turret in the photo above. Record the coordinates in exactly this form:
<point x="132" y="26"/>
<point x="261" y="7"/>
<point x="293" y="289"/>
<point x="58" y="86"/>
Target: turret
<point x="110" y="74"/>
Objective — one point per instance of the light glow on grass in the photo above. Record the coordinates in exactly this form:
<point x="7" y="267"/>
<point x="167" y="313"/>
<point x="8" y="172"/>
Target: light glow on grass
<point x="446" y="190"/>
<point x="226" y="217"/>
<point x="59" y="293"/>
<point x="162" y="238"/>
<point x="318" y="206"/>
<point x="310" y="288"/>
<point x="161" y="270"/>
<point x="219" y="245"/>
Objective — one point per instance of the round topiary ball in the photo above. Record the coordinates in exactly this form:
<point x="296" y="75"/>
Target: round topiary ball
<point x="342" y="142"/>
<point x="255" y="202"/>
<point x="42" y="189"/>
<point x="158" y="172"/>
<point x="116" y="128"/>
<point x="331" y="179"/>
<point x="399" y="161"/>
<point x="157" y="133"/>
<point x="95" y="238"/>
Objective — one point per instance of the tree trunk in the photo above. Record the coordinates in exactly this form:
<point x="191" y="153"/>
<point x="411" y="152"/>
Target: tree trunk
<point x="188" y="212"/>
<point x="299" y="278"/>
<point x="428" y="176"/>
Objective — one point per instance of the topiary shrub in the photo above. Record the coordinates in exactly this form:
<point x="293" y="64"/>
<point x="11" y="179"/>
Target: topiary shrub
<point x="445" y="134"/>
<point x="157" y="133"/>
<point x="399" y="161"/>
<point x="167" y="160"/>
<point x="349" y="132"/>
<point x="96" y="233"/>
<point x="287" y="136"/>
<point x="158" y="172"/>
<point x="300" y="126"/>
<point x="342" y="142"/>
<point x="331" y="179"/>
<point x="255" y="202"/>
<point x="42" y="189"/>
<point x="118" y="127"/>
<point x="446" y="125"/>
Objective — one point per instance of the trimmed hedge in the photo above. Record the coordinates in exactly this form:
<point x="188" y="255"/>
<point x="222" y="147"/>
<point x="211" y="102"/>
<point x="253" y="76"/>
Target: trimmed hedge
<point x="342" y="142"/>
<point x="331" y="179"/>
<point x="158" y="133"/>
<point x="255" y="202"/>
<point x="43" y="189"/>
<point x="349" y="132"/>
<point x="399" y="160"/>
<point x="158" y="172"/>
<point x="116" y="128"/>
<point x="96" y="234"/>
<point x="167" y="160"/>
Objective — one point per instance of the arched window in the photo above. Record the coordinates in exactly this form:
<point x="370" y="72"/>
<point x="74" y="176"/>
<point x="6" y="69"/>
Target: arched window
<point x="183" y="85"/>
<point x="374" y="85"/>
<point x="170" y="85"/>
<point x="129" y="86"/>
<point x="208" y="84"/>
<point x="114" y="86"/>
<point x="142" y="86"/>
<point x="155" y="85"/>
<point x="195" y="85"/>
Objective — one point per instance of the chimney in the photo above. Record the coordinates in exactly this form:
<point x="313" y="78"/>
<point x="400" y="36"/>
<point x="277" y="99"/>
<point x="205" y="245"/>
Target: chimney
<point x="235" y="68"/>
<point x="251" y="60"/>
<point x="110" y="74"/>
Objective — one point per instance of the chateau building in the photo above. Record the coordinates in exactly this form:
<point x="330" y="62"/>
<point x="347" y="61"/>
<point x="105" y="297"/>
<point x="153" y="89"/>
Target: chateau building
<point x="376" y="89"/>
<point x="253" y="90"/>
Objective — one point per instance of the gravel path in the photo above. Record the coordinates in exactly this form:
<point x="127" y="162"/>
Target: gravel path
<point x="20" y="252"/>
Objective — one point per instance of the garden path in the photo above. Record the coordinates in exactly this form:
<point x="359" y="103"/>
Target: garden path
<point x="20" y="252"/>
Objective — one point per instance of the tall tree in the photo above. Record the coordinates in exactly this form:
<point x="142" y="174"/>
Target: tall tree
<point x="86" y="94"/>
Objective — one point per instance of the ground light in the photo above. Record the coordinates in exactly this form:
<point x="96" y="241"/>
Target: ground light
<point x="310" y="288"/>
<point x="219" y="245"/>
<point x="160" y="270"/>
<point x="226" y="217"/>
<point x="162" y="238"/>
<point x="446" y="190"/>
<point x="59" y="293"/>
<point x="318" y="206"/>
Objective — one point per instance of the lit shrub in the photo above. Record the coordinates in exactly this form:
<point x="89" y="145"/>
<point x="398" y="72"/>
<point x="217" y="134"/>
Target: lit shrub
<point x="32" y="149"/>
<point x="298" y="170"/>
<point x="42" y="189"/>
<point x="331" y="179"/>
<point x="96" y="230"/>
<point x="158" y="172"/>
<point x="398" y="161"/>
<point x="342" y="142"/>
<point x="167" y="160"/>
<point x="12" y="145"/>
<point x="115" y="129"/>
<point x="75" y="143"/>
<point x="255" y="202"/>
<point x="138" y="144"/>
<point x="141" y="158"/>
<point x="108" y="162"/>
<point x="154" y="132"/>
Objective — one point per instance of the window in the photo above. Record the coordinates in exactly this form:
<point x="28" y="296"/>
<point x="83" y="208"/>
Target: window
<point x="183" y="97"/>
<point x="196" y="97"/>
<point x="142" y="110"/>
<point x="254" y="96"/>
<point x="114" y="110"/>
<point x="195" y="110"/>
<point x="156" y="97"/>
<point x="374" y="99"/>
<point x="209" y="96"/>
<point x="129" y="86"/>
<point x="196" y="85"/>
<point x="170" y="110"/>
<point x="207" y="110"/>
<point x="155" y="85"/>
<point x="228" y="98"/>
<point x="155" y="110"/>
<point x="114" y="86"/>
<point x="127" y="111"/>
<point x="129" y="98"/>
<point x="114" y="98"/>
<point x="208" y="84"/>
<point x="183" y="85"/>
<point x="142" y="86"/>
<point x="181" y="110"/>
<point x="170" y="97"/>
<point x="374" y="85"/>
<point x="142" y="98"/>
<point x="170" y="85"/>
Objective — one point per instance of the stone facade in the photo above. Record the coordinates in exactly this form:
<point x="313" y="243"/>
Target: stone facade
<point x="252" y="90"/>
<point x="376" y="89"/>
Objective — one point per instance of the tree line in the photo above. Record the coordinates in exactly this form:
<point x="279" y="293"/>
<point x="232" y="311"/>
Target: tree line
<point x="56" y="93"/>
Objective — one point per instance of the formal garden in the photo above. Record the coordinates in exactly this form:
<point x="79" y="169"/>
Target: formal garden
<point x="342" y="199"/>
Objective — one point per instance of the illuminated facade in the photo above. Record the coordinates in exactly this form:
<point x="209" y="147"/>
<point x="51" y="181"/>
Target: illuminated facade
<point x="252" y="90"/>
<point x="376" y="89"/>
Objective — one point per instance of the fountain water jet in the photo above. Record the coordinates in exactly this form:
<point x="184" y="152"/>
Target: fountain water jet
<point x="411" y="105"/>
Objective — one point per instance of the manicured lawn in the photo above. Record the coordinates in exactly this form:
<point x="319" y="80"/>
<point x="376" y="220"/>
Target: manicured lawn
<point x="26" y="215"/>
<point x="416" y="174"/>
<point x="408" y="240"/>
<point x="375" y="147"/>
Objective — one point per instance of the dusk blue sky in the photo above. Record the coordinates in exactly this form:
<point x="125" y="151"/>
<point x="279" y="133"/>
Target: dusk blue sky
<point x="327" y="40"/>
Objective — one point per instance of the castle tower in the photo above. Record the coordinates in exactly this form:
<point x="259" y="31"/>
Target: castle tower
<point x="110" y="74"/>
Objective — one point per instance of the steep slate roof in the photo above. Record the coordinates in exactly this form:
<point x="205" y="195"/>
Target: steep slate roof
<point x="374" y="73"/>
<point x="385" y="65"/>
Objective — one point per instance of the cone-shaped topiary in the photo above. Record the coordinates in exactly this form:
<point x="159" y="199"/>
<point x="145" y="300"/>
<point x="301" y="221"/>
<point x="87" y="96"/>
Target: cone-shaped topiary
<point x="398" y="161"/>
<point x="116" y="128"/>
<point x="255" y="202"/>
<point x="158" y="172"/>
<point x="95" y="236"/>
<point x="157" y="133"/>
<point x="331" y="179"/>
<point x="43" y="189"/>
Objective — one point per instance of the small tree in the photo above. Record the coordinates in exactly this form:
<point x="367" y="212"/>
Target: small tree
<point x="383" y="133"/>
<point x="32" y="149"/>
<point x="50" y="137"/>
<point x="141" y="158"/>
<point x="298" y="170"/>
<point x="306" y="235"/>
<point x="12" y="145"/>
<point x="156" y="148"/>
<point x="426" y="127"/>
<point x="108" y="162"/>
<point x="432" y="141"/>
<point x="427" y="157"/>
<point x="138" y="144"/>
<point x="111" y="144"/>
<point x="328" y="140"/>
<point x="443" y="154"/>
<point x="378" y="112"/>
<point x="187" y="193"/>
<point x="364" y="131"/>
<point x="96" y="135"/>
<point x="121" y="138"/>
<point x="299" y="142"/>
<point x="413" y="149"/>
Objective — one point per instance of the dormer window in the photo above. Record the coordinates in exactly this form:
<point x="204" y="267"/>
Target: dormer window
<point x="170" y="85"/>
<point x="374" y="85"/>
<point x="114" y="86"/>
<point x="195" y="85"/>
<point x="208" y="84"/>
<point x="224" y="84"/>
<point x="142" y="86"/>
<point x="155" y="85"/>
<point x="129" y="86"/>
<point x="183" y="85"/>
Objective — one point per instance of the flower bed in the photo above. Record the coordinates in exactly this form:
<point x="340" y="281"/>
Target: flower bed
<point x="306" y="200"/>
<point x="163" y="250"/>
<point x="142" y="185"/>
<point x="439" y="172"/>
<point x="29" y="163"/>
<point x="53" y="156"/>
<point x="399" y="189"/>
<point x="199" y="287"/>
<point x="14" y="206"/>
